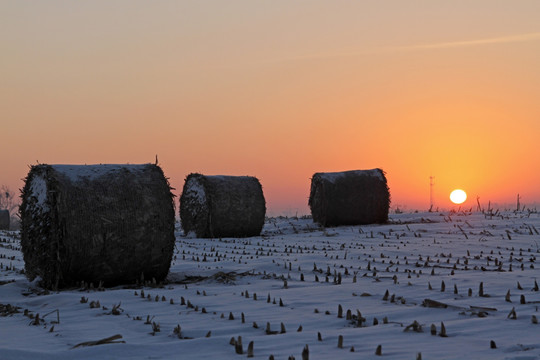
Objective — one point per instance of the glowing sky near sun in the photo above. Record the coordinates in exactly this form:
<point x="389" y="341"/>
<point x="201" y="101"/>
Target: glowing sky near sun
<point x="280" y="90"/>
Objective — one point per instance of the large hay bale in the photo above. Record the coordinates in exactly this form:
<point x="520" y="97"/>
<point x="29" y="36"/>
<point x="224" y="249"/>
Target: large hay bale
<point x="349" y="197"/>
<point x="92" y="223"/>
<point x="222" y="206"/>
<point x="4" y="219"/>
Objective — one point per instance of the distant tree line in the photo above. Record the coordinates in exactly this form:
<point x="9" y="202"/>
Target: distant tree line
<point x="9" y="200"/>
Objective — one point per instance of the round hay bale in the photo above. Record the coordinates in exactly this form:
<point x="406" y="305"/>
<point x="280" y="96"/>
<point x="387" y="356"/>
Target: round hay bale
<point x="96" y="223"/>
<point x="222" y="206"/>
<point x="4" y="219"/>
<point x="349" y="198"/>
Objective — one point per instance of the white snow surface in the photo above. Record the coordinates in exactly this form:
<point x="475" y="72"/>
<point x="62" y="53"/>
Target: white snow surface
<point x="196" y="191"/>
<point x="333" y="176"/>
<point x="78" y="172"/>
<point x="417" y="256"/>
<point x="38" y="189"/>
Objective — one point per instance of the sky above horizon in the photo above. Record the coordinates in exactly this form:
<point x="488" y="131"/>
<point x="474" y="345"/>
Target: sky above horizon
<point x="280" y="90"/>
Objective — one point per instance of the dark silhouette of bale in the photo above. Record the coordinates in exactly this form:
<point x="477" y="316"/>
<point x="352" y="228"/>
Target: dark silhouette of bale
<point x="4" y="219"/>
<point x="222" y="206"/>
<point x="92" y="223"/>
<point x="349" y="197"/>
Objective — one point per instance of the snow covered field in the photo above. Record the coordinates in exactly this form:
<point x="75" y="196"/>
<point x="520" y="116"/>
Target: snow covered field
<point x="283" y="291"/>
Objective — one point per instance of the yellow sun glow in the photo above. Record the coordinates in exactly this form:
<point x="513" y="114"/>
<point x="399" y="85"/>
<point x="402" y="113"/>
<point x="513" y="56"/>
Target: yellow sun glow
<point x="458" y="196"/>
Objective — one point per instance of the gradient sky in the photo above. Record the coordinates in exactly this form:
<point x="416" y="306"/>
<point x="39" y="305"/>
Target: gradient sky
<point x="279" y="90"/>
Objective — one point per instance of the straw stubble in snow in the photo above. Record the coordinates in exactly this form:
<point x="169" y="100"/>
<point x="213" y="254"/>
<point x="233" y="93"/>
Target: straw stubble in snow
<point x="428" y="285"/>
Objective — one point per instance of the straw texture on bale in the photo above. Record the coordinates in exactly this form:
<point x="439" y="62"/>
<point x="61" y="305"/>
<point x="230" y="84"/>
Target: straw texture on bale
<point x="349" y="198"/>
<point x="222" y="206"/>
<point x="92" y="223"/>
<point x="4" y="219"/>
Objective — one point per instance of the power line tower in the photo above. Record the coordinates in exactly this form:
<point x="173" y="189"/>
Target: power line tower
<point x="431" y="192"/>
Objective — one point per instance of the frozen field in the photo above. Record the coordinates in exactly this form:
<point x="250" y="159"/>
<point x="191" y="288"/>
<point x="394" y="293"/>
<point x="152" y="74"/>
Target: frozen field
<point x="283" y="290"/>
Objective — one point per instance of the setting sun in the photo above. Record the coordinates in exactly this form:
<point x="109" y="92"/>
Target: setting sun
<point x="458" y="196"/>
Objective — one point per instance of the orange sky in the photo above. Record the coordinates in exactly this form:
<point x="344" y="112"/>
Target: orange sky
<point x="280" y="90"/>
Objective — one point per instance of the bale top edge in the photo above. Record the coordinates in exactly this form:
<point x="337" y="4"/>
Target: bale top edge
<point x="333" y="176"/>
<point x="222" y="177"/>
<point x="76" y="172"/>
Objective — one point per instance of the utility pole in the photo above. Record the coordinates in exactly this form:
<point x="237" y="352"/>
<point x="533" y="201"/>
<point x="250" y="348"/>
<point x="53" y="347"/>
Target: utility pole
<point x="431" y="193"/>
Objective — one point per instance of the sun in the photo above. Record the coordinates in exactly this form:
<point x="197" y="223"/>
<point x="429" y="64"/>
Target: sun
<point x="458" y="196"/>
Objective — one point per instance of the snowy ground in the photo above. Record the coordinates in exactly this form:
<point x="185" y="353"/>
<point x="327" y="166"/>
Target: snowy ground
<point x="423" y="267"/>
